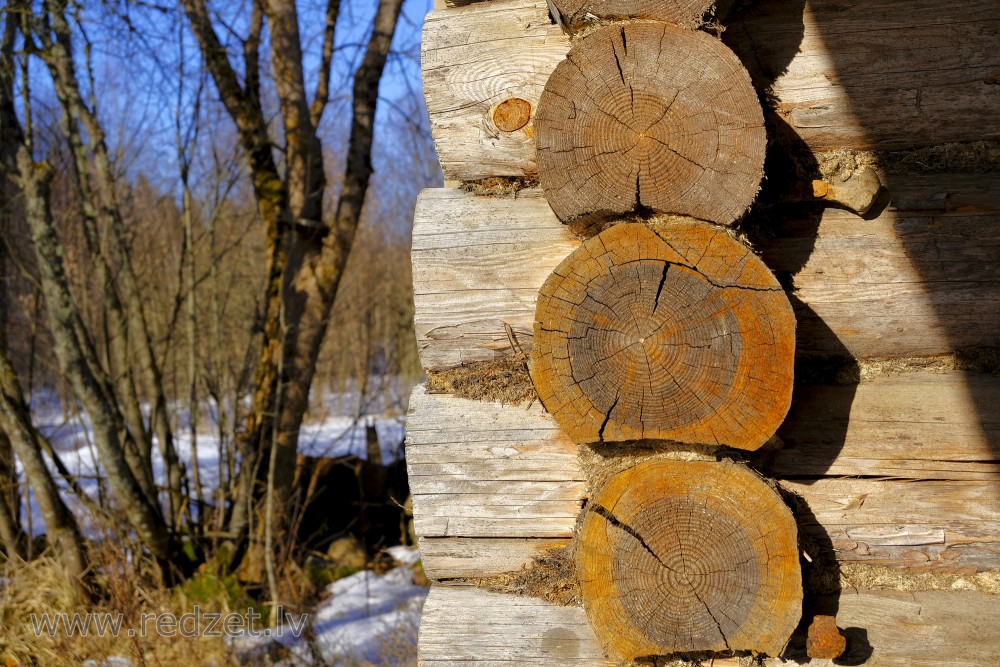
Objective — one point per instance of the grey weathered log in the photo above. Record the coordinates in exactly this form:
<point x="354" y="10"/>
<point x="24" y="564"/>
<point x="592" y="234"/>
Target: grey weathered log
<point x="474" y="59"/>
<point x="923" y="278"/>
<point x="946" y="521"/>
<point x="842" y="78"/>
<point x="469" y="626"/>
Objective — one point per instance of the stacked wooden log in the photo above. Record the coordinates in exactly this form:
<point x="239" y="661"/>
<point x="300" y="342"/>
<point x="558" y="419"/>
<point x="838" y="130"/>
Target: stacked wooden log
<point x="656" y="338"/>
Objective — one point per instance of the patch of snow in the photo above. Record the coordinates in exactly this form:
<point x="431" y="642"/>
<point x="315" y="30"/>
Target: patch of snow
<point x="367" y="619"/>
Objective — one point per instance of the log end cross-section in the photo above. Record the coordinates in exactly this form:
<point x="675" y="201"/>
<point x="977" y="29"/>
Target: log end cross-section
<point x="681" y="556"/>
<point x="650" y="117"/>
<point x="674" y="331"/>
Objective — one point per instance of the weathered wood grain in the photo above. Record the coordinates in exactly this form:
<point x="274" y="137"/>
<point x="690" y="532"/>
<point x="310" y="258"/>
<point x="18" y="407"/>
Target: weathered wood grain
<point x="921" y="279"/>
<point x="913" y="425"/>
<point x="469" y="626"/>
<point x="926" y="525"/>
<point x="924" y="629"/>
<point x="841" y="76"/>
<point x="495" y="485"/>
<point x="464" y="625"/>
<point x="481" y="470"/>
<point x="477" y="264"/>
<point x="470" y="557"/>
<point x="474" y="58"/>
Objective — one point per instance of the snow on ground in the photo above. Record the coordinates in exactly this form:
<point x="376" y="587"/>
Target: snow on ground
<point x="366" y="620"/>
<point x="338" y="433"/>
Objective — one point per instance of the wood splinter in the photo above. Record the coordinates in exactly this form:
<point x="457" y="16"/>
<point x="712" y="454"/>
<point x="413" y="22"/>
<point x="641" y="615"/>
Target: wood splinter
<point x="682" y="556"/>
<point x="673" y="330"/>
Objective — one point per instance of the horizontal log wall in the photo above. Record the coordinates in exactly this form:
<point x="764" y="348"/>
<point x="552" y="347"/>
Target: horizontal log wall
<point x="508" y="476"/>
<point x="473" y="59"/>
<point x="885" y="628"/>
<point x="923" y="278"/>
<point x="888" y="74"/>
<point x="840" y="79"/>
<point x="900" y="470"/>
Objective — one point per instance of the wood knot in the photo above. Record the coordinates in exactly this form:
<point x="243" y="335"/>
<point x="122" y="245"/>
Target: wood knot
<point x="512" y="114"/>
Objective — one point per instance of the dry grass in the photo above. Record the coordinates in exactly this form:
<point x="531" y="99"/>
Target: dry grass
<point x="551" y="576"/>
<point x="871" y="577"/>
<point x="130" y="588"/>
<point x="503" y="380"/>
<point x="505" y="187"/>
<point x="40" y="587"/>
<point x="970" y="157"/>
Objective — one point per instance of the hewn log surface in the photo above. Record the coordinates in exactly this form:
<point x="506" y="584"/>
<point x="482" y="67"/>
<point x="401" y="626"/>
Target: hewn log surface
<point x="923" y="425"/>
<point x="674" y="331"/>
<point x="577" y="14"/>
<point x="469" y="626"/>
<point x="650" y="116"/>
<point x="682" y="556"/>
<point x="487" y="471"/>
<point x="474" y="60"/>
<point x="462" y="625"/>
<point x="842" y="78"/>
<point x="921" y="279"/>
<point x="466" y="456"/>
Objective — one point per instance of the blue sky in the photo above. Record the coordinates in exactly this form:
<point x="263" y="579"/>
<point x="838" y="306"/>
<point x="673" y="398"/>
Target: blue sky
<point x="138" y="57"/>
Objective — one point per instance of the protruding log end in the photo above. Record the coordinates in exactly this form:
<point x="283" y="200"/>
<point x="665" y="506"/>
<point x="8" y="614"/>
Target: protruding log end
<point x="650" y="117"/>
<point x="681" y="556"/>
<point x="674" y="331"/>
<point x="576" y="14"/>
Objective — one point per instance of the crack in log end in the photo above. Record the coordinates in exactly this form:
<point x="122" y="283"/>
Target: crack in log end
<point x="607" y="417"/>
<point x="657" y="103"/>
<point x="682" y="557"/>
<point x="618" y="62"/>
<point x="613" y="520"/>
<point x="636" y="339"/>
<point x="659" y="290"/>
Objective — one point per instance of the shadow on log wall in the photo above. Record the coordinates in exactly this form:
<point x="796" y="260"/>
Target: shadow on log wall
<point x="900" y="75"/>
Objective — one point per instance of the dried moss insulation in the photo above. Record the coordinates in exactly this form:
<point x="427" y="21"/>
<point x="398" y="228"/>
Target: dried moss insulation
<point x="502" y="380"/>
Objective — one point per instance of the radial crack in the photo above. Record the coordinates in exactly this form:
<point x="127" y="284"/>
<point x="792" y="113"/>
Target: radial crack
<point x="603" y="511"/>
<point x="659" y="290"/>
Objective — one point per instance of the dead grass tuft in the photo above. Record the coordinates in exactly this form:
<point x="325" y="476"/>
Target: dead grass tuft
<point x="969" y="157"/>
<point x="814" y="370"/>
<point x="41" y="587"/>
<point x="505" y="187"/>
<point x="503" y="380"/>
<point x="873" y="577"/>
<point x="551" y="576"/>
